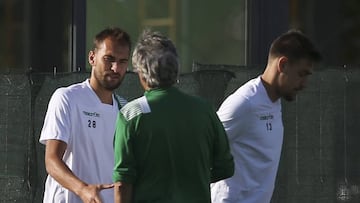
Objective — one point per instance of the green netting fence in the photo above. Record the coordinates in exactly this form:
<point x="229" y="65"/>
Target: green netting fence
<point x="320" y="160"/>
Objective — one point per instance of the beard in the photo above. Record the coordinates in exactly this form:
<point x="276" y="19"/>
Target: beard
<point x="109" y="81"/>
<point x="111" y="85"/>
<point x="289" y="97"/>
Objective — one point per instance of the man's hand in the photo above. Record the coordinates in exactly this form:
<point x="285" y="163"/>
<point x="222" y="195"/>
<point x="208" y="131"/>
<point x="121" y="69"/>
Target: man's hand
<point x="90" y="193"/>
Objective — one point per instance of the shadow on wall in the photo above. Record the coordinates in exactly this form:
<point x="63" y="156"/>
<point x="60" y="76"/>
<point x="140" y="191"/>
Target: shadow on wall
<point x="319" y="161"/>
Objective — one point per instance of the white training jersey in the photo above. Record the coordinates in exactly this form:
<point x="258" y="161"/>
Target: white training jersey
<point x="255" y="130"/>
<point x="76" y="116"/>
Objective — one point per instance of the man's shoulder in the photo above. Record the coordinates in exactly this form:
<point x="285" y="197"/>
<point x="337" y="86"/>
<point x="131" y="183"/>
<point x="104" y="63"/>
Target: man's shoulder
<point x="242" y="98"/>
<point x="191" y="99"/>
<point x="73" y="88"/>
<point x="135" y="108"/>
<point x="249" y="89"/>
<point x="72" y="92"/>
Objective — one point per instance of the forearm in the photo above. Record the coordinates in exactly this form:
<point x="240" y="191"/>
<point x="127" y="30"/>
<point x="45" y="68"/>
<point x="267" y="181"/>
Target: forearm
<point x="122" y="192"/>
<point x="63" y="175"/>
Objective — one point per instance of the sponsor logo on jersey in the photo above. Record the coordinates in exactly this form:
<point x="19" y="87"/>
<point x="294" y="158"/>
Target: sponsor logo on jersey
<point x="266" y="117"/>
<point x="93" y="114"/>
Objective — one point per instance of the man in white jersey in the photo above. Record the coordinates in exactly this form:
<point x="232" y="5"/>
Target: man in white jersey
<point x="80" y="123"/>
<point x="253" y="121"/>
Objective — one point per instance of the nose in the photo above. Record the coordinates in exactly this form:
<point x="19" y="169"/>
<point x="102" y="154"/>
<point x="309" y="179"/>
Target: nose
<point x="116" y="67"/>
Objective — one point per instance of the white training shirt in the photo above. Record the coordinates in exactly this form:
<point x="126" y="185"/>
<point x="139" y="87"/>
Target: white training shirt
<point x="76" y="116"/>
<point x="255" y="130"/>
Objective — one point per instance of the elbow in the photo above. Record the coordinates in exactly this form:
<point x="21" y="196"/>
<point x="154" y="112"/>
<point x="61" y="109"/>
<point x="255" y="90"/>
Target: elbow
<point x="48" y="165"/>
<point x="224" y="171"/>
<point x="224" y="175"/>
<point x="52" y="163"/>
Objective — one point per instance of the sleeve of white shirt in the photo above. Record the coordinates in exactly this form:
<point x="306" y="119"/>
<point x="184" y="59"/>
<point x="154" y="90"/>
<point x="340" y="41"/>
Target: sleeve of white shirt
<point x="233" y="113"/>
<point x="57" y="119"/>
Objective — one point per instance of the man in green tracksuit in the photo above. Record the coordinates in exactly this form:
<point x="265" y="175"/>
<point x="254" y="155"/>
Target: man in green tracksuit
<point x="169" y="146"/>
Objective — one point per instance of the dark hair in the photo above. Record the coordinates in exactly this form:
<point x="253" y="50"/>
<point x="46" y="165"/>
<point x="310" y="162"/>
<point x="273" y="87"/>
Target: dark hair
<point x="295" y="46"/>
<point x="115" y="33"/>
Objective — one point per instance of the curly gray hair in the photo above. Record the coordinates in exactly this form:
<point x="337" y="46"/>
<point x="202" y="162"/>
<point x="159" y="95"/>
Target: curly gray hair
<point x="156" y="58"/>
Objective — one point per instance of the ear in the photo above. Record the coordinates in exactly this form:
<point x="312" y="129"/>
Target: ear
<point x="282" y="62"/>
<point x="143" y="81"/>
<point x="91" y="58"/>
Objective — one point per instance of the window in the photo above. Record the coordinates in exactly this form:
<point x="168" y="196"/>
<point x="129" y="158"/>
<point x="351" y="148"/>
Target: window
<point x="208" y="33"/>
